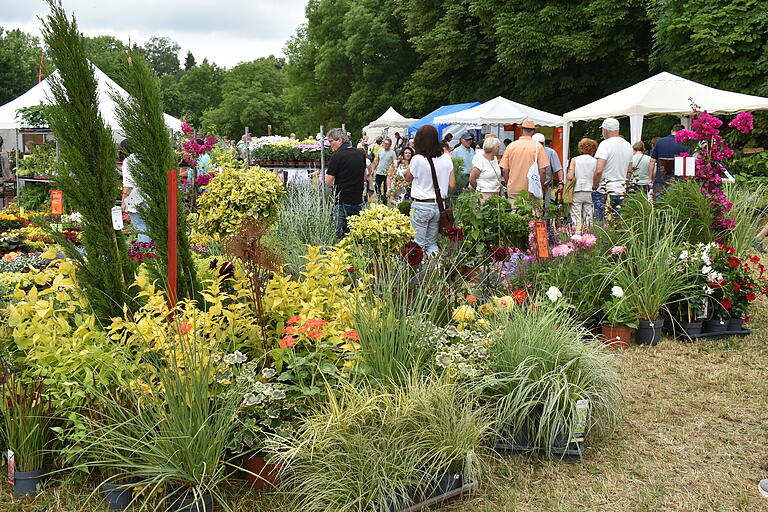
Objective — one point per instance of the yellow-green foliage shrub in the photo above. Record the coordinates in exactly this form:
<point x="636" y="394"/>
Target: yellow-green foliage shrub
<point x="385" y="230"/>
<point x="236" y="193"/>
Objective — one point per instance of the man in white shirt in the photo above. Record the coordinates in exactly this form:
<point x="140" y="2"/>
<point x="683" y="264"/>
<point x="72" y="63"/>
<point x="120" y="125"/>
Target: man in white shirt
<point x="613" y="157"/>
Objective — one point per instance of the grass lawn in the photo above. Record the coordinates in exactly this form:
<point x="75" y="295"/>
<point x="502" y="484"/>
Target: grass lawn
<point x="695" y="438"/>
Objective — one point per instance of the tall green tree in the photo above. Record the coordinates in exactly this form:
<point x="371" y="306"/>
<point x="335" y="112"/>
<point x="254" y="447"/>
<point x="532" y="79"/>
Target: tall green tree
<point x="189" y="61"/>
<point x="252" y="95"/>
<point x="107" y="54"/>
<point x="141" y="118"/>
<point x="19" y="62"/>
<point x="88" y="177"/>
<point x="162" y="54"/>
<point x="200" y="89"/>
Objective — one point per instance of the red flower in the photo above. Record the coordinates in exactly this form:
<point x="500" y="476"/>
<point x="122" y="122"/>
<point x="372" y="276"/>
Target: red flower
<point x="754" y="259"/>
<point x="412" y="253"/>
<point x="315" y="322"/>
<point x="746" y="319"/>
<point x="289" y="329"/>
<point x="287" y="341"/>
<point x="729" y="250"/>
<point x="751" y="296"/>
<point x="519" y="296"/>
<point x="736" y="287"/>
<point x="734" y="262"/>
<point x="455" y="234"/>
<point x="500" y="254"/>
<point x="352" y="334"/>
<point x="315" y="334"/>
<point x="471" y="298"/>
<point x="727" y="304"/>
<point x="184" y="328"/>
<point x="294" y="319"/>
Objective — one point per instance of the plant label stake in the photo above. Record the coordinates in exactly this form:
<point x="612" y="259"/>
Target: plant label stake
<point x="117" y="218"/>
<point x="542" y="240"/>
<point x="580" y="423"/>
<point x="173" y="247"/>
<point x="11" y="468"/>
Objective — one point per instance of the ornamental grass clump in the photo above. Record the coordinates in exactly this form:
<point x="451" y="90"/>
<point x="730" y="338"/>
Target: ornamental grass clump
<point x="382" y="229"/>
<point x="236" y="193"/>
<point x="369" y="449"/>
<point x="542" y="364"/>
<point x="26" y="417"/>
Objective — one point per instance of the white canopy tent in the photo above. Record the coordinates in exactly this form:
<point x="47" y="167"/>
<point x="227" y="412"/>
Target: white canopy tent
<point x="664" y="93"/>
<point x="391" y="120"/>
<point x="500" y="111"/>
<point x="41" y="94"/>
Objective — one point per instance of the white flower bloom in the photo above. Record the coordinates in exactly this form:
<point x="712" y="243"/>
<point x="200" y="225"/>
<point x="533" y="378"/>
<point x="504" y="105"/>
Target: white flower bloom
<point x="576" y="238"/>
<point x="714" y="277"/>
<point x="617" y="291"/>
<point x="554" y="293"/>
<point x="708" y="290"/>
<point x="684" y="255"/>
<point x="706" y="269"/>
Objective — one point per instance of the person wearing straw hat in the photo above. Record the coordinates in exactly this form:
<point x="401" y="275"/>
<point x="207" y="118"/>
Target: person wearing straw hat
<point x="518" y="158"/>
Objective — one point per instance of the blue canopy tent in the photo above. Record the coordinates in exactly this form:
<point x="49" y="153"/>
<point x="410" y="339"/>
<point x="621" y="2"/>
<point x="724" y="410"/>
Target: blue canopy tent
<point x="442" y="111"/>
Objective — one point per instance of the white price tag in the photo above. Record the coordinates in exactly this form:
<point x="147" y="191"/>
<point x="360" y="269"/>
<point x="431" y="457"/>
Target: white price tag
<point x="11" y="468"/>
<point x="117" y="218"/>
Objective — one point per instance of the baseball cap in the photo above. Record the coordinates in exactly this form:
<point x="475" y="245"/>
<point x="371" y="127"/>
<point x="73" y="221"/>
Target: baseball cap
<point x="610" y="124"/>
<point x="465" y="135"/>
<point x="539" y="137"/>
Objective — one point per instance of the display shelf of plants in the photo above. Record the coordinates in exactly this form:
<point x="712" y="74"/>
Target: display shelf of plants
<point x="284" y="152"/>
<point x="334" y="375"/>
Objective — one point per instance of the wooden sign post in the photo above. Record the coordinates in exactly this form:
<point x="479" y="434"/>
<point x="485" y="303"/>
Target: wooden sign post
<point x="542" y="239"/>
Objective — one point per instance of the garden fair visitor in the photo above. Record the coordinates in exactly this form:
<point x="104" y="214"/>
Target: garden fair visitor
<point x="554" y="173"/>
<point x="486" y="176"/>
<point x="383" y="163"/>
<point x="519" y="157"/>
<point x="466" y="152"/>
<point x="425" y="213"/>
<point x="581" y="171"/>
<point x="660" y="166"/>
<point x="613" y="155"/>
<point x="346" y="175"/>
<point x="638" y="173"/>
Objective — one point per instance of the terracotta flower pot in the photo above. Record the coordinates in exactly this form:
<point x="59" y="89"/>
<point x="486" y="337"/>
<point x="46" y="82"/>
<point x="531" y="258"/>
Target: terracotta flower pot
<point x="616" y="336"/>
<point x="260" y="473"/>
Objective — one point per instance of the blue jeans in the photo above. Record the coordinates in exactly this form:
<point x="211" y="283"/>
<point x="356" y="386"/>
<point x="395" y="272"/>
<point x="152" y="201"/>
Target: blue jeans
<point x="425" y="219"/>
<point x="343" y="213"/>
<point x="140" y="226"/>
<point x="599" y="199"/>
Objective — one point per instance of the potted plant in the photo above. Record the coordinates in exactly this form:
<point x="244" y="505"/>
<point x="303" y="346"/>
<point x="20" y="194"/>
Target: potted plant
<point x="618" y="320"/>
<point x="26" y="415"/>
<point x="686" y="307"/>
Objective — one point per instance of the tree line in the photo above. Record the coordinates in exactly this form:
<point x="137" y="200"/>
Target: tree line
<point x="354" y="58"/>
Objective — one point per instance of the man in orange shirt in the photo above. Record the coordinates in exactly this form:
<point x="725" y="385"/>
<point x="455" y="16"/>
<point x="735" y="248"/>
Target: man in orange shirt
<point x="519" y="157"/>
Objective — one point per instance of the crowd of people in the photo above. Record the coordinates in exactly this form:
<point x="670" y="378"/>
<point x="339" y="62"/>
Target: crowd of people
<point x="593" y="186"/>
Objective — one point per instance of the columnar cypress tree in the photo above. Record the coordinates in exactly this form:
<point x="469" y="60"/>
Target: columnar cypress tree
<point x="88" y="178"/>
<point x="141" y="117"/>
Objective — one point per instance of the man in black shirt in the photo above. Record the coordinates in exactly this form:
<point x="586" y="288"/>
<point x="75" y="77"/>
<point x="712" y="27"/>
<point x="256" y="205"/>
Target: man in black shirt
<point x="346" y="175"/>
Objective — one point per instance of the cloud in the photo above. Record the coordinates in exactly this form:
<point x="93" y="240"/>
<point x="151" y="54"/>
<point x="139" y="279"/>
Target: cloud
<point x="225" y="32"/>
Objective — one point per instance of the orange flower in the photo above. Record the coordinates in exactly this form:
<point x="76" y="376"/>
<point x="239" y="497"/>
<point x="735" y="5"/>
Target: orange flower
<point x="352" y="334"/>
<point x="184" y="328"/>
<point x="519" y="296"/>
<point x="287" y="341"/>
<point x="294" y="319"/>
<point x="315" y="322"/>
<point x="471" y="298"/>
<point x="289" y="329"/>
<point x="315" y="334"/>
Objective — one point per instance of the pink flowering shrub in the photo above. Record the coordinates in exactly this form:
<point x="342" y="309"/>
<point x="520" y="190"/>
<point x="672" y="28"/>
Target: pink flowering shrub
<point x="744" y="122"/>
<point x="194" y="146"/>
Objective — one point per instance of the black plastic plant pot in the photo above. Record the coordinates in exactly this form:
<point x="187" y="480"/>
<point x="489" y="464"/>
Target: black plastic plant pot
<point x="648" y="332"/>
<point x="735" y="324"/>
<point x="715" y="325"/>
<point x="691" y="328"/>
<point x="566" y="450"/>
<point x="118" y="496"/>
<point x="27" y="483"/>
<point x="182" y="499"/>
<point x="447" y="483"/>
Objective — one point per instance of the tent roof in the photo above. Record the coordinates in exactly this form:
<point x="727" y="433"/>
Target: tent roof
<point x="666" y="93"/>
<point x="41" y="93"/>
<point x="391" y="119"/>
<point x="500" y="111"/>
<point x="444" y="110"/>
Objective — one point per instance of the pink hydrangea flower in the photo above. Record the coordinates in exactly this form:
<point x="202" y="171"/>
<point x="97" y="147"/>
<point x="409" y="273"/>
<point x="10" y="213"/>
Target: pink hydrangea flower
<point x="744" y="122"/>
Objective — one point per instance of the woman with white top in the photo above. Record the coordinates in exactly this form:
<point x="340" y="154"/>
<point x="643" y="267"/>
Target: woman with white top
<point x="486" y="175"/>
<point x="425" y="214"/>
<point x="582" y="170"/>
<point x="396" y="185"/>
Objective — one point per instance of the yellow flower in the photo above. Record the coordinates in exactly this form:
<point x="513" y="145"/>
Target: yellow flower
<point x="464" y="314"/>
<point x="505" y="303"/>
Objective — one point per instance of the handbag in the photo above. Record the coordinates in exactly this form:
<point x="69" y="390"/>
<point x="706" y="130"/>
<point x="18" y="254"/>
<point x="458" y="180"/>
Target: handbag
<point x="534" y="179"/>
<point x="446" y="214"/>
<point x="568" y="190"/>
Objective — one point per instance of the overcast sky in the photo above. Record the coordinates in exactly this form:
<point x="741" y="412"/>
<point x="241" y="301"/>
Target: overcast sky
<point x="225" y="31"/>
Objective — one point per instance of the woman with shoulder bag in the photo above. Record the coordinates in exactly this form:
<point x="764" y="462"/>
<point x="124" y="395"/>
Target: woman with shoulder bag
<point x="638" y="172"/>
<point x="486" y="176"/>
<point x="431" y="171"/>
